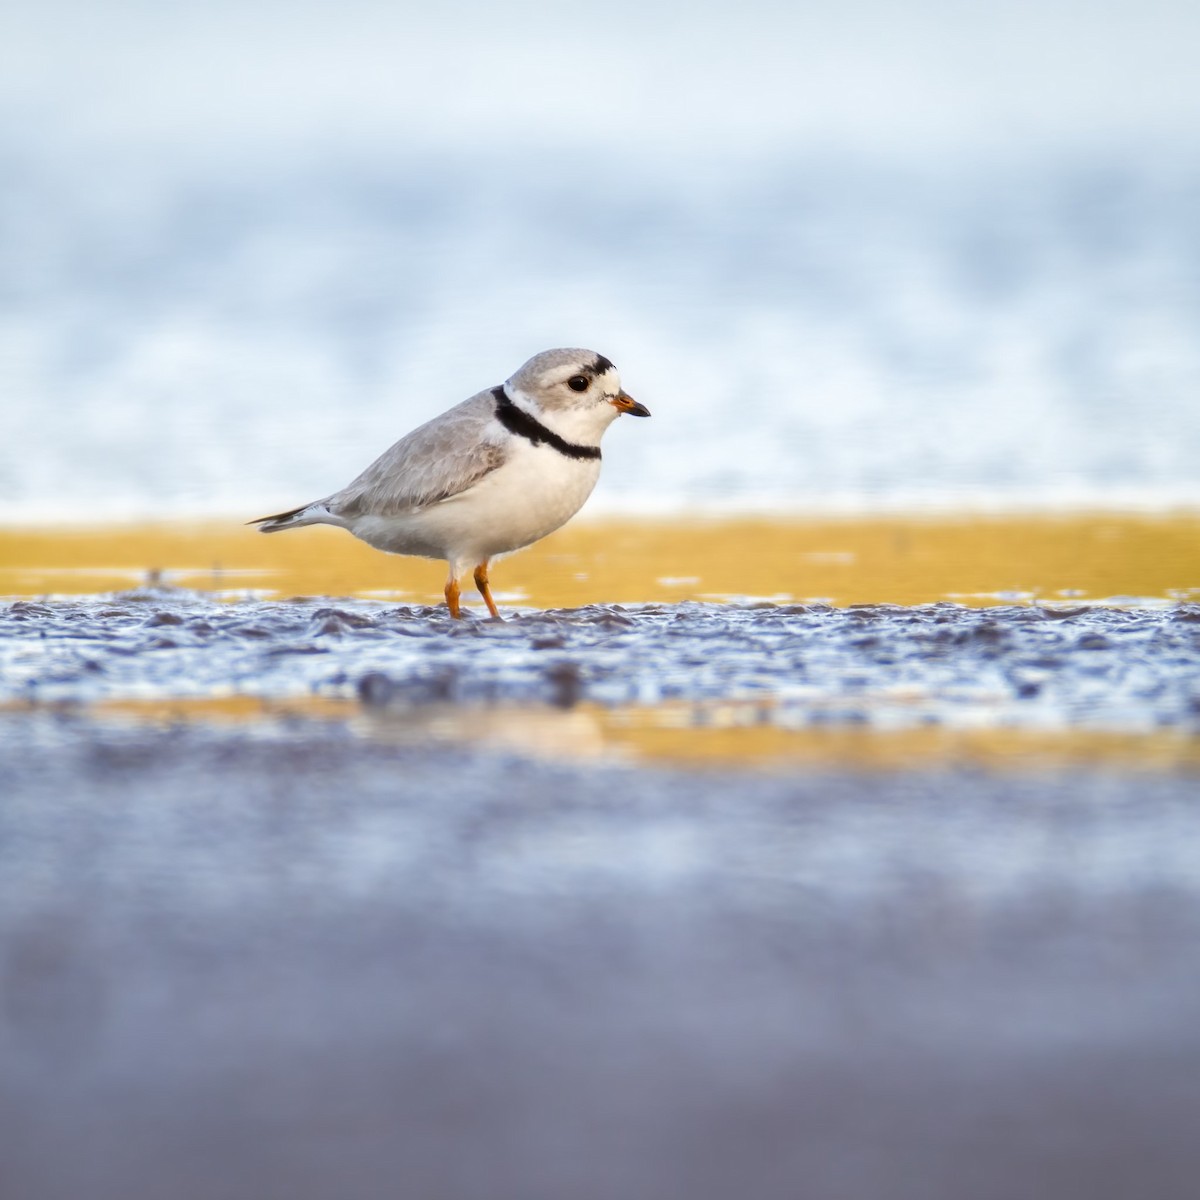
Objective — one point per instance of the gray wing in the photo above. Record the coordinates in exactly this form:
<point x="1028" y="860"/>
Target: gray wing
<point x="438" y="460"/>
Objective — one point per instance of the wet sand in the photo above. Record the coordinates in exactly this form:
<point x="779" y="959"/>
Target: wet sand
<point x="311" y="897"/>
<point x="753" y="677"/>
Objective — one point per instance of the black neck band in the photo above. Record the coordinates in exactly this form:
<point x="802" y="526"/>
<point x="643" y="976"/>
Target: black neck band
<point x="517" y="420"/>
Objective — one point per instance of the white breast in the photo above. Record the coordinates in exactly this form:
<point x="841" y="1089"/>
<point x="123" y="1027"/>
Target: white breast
<point x="537" y="490"/>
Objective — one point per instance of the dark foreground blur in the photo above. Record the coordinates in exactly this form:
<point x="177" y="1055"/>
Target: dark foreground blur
<point x="284" y="961"/>
<point x="360" y="901"/>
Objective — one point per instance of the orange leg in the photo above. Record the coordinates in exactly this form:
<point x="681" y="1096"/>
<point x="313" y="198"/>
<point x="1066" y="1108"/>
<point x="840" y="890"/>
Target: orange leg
<point x="481" y="582"/>
<point x="452" y="595"/>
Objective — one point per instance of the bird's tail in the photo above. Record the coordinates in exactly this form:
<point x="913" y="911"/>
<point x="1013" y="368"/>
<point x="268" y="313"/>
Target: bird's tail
<point x="306" y="514"/>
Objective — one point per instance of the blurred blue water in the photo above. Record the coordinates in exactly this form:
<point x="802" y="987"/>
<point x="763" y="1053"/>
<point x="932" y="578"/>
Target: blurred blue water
<point x="197" y="316"/>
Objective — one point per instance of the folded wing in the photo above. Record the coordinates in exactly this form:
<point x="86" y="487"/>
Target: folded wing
<point x="437" y="461"/>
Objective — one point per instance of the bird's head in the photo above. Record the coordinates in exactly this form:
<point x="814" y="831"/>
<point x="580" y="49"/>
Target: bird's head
<point x="577" y="393"/>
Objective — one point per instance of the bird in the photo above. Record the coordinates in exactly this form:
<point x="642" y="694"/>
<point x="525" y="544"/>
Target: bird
<point x="487" y="477"/>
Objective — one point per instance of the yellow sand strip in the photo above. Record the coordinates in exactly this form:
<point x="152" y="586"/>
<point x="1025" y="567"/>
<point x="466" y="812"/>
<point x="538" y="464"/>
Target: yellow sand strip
<point x="899" y="560"/>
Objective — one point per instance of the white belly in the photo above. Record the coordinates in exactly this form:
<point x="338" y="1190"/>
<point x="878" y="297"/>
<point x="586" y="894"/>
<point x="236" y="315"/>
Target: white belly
<point x="536" y="491"/>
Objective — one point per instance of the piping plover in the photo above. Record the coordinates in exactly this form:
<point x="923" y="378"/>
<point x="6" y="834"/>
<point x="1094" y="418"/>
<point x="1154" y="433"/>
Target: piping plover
<point x="492" y="475"/>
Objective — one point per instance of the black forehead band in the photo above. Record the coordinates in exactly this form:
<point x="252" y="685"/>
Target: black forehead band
<point x="600" y="366"/>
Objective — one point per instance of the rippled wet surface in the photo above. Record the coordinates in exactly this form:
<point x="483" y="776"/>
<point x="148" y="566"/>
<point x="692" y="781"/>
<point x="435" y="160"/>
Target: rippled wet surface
<point x="882" y="666"/>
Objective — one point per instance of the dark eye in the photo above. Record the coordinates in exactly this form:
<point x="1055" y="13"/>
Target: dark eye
<point x="578" y="383"/>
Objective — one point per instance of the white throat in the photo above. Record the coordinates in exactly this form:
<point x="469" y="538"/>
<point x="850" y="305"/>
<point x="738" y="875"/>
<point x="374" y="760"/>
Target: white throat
<point x="584" y="426"/>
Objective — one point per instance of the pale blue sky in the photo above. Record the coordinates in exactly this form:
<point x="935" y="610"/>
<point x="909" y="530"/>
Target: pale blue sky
<point x="924" y="76"/>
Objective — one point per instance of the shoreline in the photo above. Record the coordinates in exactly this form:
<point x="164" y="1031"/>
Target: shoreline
<point x="909" y="559"/>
